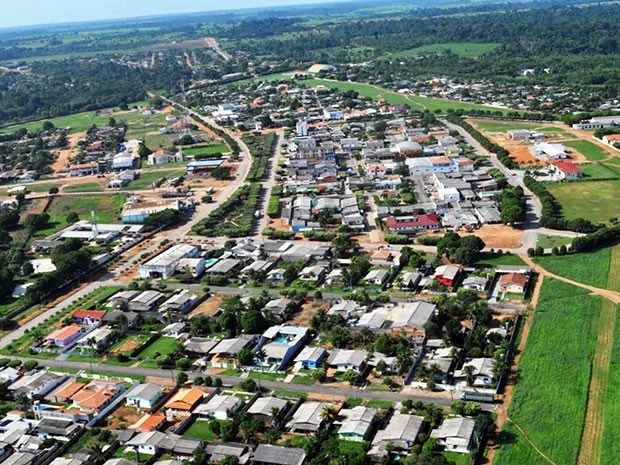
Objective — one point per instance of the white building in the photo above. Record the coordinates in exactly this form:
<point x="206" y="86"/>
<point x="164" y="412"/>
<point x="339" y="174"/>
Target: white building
<point x="164" y="265"/>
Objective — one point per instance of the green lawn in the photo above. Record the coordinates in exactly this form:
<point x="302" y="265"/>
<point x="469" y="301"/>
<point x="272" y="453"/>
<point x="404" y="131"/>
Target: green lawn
<point x="458" y="459"/>
<point x="491" y="260"/>
<point x="587" y="268"/>
<point x="379" y="403"/>
<point x="107" y="209"/>
<point x="162" y="345"/>
<point x="200" y="429"/>
<point x="147" y="178"/>
<point x="598" y="171"/>
<point x="76" y="356"/>
<point x="595" y="201"/>
<point x="588" y="149"/>
<point x="550" y="397"/>
<point x="548" y="242"/>
<point x="206" y="149"/>
<point x="467" y="50"/>
<point x="502" y="126"/>
<point x="86" y="187"/>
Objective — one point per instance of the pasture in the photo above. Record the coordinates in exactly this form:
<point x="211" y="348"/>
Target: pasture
<point x="549" y="399"/>
<point x="610" y="448"/>
<point x="588" y="149"/>
<point x="596" y="201"/>
<point x="467" y="50"/>
<point x="598" y="171"/>
<point x="206" y="149"/>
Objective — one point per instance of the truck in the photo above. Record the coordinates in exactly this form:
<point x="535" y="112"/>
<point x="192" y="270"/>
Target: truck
<point x="478" y="394"/>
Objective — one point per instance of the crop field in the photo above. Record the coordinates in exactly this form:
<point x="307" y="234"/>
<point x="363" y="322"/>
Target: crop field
<point x="610" y="448"/>
<point x="515" y="449"/>
<point x="598" y="171"/>
<point x="595" y="201"/>
<point x="467" y="50"/>
<point x="588" y="149"/>
<point x="550" y="397"/>
<point x="580" y="267"/>
<point x="107" y="210"/>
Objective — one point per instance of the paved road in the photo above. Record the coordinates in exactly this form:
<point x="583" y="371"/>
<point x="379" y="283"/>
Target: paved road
<point x="441" y="398"/>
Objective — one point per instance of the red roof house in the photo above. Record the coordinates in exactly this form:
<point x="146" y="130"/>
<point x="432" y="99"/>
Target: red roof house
<point x="447" y="274"/>
<point x="88" y="317"/>
<point x="413" y="224"/>
<point x="567" y="169"/>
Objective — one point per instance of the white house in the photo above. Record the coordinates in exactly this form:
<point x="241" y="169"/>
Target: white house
<point x="455" y="434"/>
<point x="144" y="396"/>
<point x="220" y="407"/>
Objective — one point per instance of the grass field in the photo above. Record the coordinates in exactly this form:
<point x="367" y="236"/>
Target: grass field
<point x="598" y="171"/>
<point x="200" y="429"/>
<point x="491" y="260"/>
<point x="550" y="397"/>
<point x="206" y="149"/>
<point x="588" y="149"/>
<point x="502" y="126"/>
<point x="595" y="201"/>
<point x="163" y="346"/>
<point x="580" y="267"/>
<point x="86" y="187"/>
<point x="416" y="102"/>
<point x="548" y="242"/>
<point x="610" y="447"/>
<point x="107" y="209"/>
<point x="515" y="450"/>
<point x="147" y="178"/>
<point x="467" y="50"/>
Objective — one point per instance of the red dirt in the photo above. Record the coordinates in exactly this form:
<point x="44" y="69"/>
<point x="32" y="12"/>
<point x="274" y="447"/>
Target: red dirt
<point x="62" y="162"/>
<point x="302" y="318"/>
<point x="209" y="307"/>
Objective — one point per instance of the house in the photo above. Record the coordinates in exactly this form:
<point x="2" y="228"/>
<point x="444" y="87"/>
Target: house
<point x="98" y="394"/>
<point x="64" y="393"/>
<point x="181" y="302"/>
<point x="276" y="274"/>
<point x="307" y="417"/>
<point x="311" y="357"/>
<point x="199" y="346"/>
<point x="355" y="423"/>
<point x="217" y="451"/>
<point x="376" y="277"/>
<point x="263" y="408"/>
<point x="411" y="317"/>
<point x="144" y="396"/>
<point x="441" y="164"/>
<point x="118" y="318"/>
<point x="550" y="151"/>
<point x="281" y="344"/>
<point x="343" y="360"/>
<point x="567" y="170"/>
<point x="267" y="454"/>
<point x="194" y="267"/>
<point x="475" y="283"/>
<point x="482" y="371"/>
<point x="225" y="352"/>
<point x="184" y="401"/>
<point x="277" y="307"/>
<point x="98" y="339"/>
<point x="65" y="336"/>
<point x="409" y="280"/>
<point x="165" y="264"/>
<point x="224" y="267"/>
<point x="149" y="422"/>
<point x="314" y="273"/>
<point x="334" y="276"/>
<point x="57" y="428"/>
<point x="220" y="407"/>
<point x="518" y="134"/>
<point x="146" y="301"/>
<point x="88" y="317"/>
<point x="447" y="275"/>
<point x="513" y="283"/>
<point x="385" y="257"/>
<point x="400" y="433"/>
<point x="146" y="443"/>
<point x="176" y="330"/>
<point x="163" y="156"/>
<point x="36" y="384"/>
<point x="455" y="434"/>
<point x="84" y="169"/>
<point x="413" y="224"/>
<point x="346" y="309"/>
<point x="8" y="375"/>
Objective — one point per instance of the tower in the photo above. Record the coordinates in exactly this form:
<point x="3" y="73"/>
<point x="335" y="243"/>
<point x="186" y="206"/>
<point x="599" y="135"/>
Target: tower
<point x="93" y="225"/>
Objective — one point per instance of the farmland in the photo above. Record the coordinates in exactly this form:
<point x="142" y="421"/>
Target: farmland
<point x="596" y="201"/>
<point x="468" y="50"/>
<point x="579" y="267"/>
<point x="610" y="448"/>
<point x="588" y="149"/>
<point x="549" y="400"/>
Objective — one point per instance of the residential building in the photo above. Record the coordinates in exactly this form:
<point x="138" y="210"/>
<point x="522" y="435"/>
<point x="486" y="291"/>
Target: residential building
<point x="267" y="454"/>
<point x="307" y="418"/>
<point x="483" y="371"/>
<point x="184" y="401"/>
<point x="217" y="451"/>
<point x="455" y="434"/>
<point x="376" y="277"/>
<point x="98" y="339"/>
<point x="314" y="273"/>
<point x="144" y="396"/>
<point x="281" y="344"/>
<point x="149" y="422"/>
<point x="225" y="352"/>
<point x="36" y="384"/>
<point x="84" y="169"/>
<point x="355" y="423"/>
<point x="164" y="265"/>
<point x="441" y="164"/>
<point x="311" y="357"/>
<point x="400" y="433"/>
<point x="345" y="308"/>
<point x="98" y="394"/>
<point x="147" y="301"/>
<point x="475" y="283"/>
<point x="219" y="406"/>
<point x="199" y="346"/>
<point x="176" y="330"/>
<point x="344" y="360"/>
<point x="163" y="156"/>
<point x="264" y="407"/>
<point x="385" y="257"/>
<point x="447" y="275"/>
<point x="413" y="224"/>
<point x="567" y="170"/>
<point x="514" y="283"/>
<point x="65" y="336"/>
<point x="181" y="302"/>
<point x="88" y="317"/>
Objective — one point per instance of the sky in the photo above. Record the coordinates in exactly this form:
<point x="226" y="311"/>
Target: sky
<point x="17" y="13"/>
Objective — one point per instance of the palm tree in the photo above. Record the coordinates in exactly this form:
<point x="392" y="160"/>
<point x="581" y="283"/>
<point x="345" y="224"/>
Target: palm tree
<point x="469" y="371"/>
<point x="261" y="356"/>
<point x="328" y="414"/>
<point x="275" y="414"/>
<point x="97" y="454"/>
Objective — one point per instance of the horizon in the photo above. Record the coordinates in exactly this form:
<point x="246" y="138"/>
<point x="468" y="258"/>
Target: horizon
<point x="53" y="13"/>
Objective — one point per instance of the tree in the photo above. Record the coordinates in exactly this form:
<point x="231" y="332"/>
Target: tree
<point x="53" y="190"/>
<point x="350" y="376"/>
<point x="181" y="378"/>
<point x="319" y="374"/>
<point x="469" y="371"/>
<point x="328" y="414"/>
<point x="72" y="217"/>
